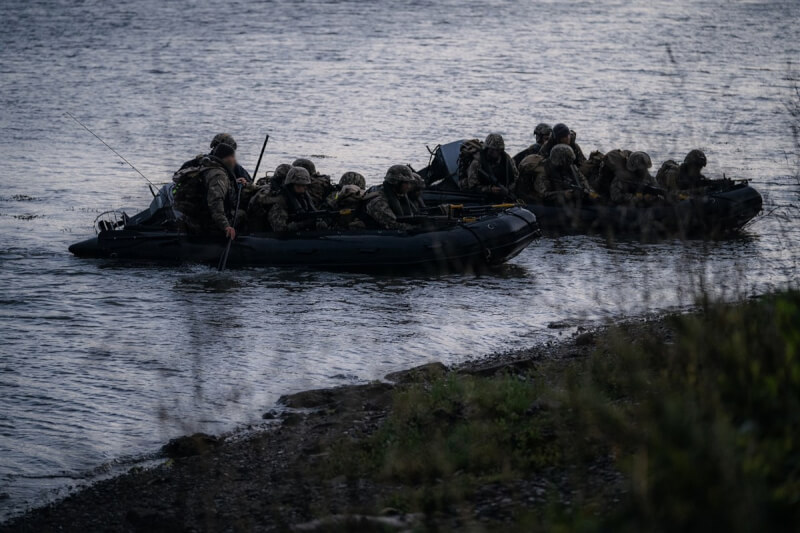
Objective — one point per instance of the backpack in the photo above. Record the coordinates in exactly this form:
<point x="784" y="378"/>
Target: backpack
<point x="668" y="168"/>
<point x="614" y="162"/>
<point x="591" y="168"/>
<point x="466" y="155"/>
<point x="531" y="169"/>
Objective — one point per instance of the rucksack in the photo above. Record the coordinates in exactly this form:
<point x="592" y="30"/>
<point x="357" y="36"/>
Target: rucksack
<point x="668" y="168"/>
<point x="531" y="169"/>
<point x="466" y="155"/>
<point x="614" y="163"/>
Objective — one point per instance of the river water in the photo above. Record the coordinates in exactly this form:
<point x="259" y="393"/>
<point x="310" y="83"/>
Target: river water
<point x="100" y="363"/>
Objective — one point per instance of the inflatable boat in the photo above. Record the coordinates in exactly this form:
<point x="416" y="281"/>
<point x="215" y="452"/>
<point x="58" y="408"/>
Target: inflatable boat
<point x="437" y="244"/>
<point x="722" y="209"/>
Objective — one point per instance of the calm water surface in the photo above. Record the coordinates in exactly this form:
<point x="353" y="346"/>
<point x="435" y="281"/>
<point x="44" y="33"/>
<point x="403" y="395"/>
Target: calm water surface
<point x="100" y="363"/>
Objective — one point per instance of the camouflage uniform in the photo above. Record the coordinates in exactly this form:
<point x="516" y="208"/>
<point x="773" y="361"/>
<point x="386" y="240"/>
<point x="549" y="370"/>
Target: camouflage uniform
<point x="540" y="133"/>
<point x="482" y="169"/>
<point x="560" y="180"/>
<point x="552" y="142"/>
<point x="288" y="205"/>
<point x="320" y="186"/>
<point x="348" y="195"/>
<point x="384" y="205"/>
<point x="206" y="200"/>
<point x="633" y="181"/>
<point x="680" y="177"/>
<point x="258" y="209"/>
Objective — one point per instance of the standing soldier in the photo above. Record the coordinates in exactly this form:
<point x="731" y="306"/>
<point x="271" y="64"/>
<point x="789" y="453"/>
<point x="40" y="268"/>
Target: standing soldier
<point x="206" y="195"/>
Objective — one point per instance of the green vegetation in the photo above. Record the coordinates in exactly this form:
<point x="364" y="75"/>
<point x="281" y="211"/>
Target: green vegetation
<point x="688" y="424"/>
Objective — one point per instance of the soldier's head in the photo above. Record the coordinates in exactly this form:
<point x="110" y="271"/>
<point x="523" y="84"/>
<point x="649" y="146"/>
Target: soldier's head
<point x="225" y="153"/>
<point x="562" y="156"/>
<point x="638" y="163"/>
<point x="223" y="138"/>
<point x="279" y="175"/>
<point x="353" y="178"/>
<point x="306" y="164"/>
<point x="494" y="145"/>
<point x="297" y="180"/>
<point x="561" y="134"/>
<point x="400" y="178"/>
<point x="695" y="161"/>
<point x="541" y="132"/>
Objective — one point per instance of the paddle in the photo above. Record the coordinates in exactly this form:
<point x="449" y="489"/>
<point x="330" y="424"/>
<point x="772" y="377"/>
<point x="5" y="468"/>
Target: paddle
<point x="223" y="260"/>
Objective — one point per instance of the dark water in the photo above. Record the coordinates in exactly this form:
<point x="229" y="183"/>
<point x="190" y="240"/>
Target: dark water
<point x="99" y="363"/>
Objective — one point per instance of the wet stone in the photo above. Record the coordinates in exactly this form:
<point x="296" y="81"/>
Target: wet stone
<point x="419" y="374"/>
<point x="187" y="446"/>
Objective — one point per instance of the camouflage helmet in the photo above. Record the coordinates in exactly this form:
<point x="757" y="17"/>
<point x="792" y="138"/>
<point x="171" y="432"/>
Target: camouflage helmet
<point x="695" y="158"/>
<point x="398" y="174"/>
<point x="638" y="161"/>
<point x="306" y="164"/>
<point x="353" y="178"/>
<point x="223" y="138"/>
<point x="495" y="140"/>
<point x="542" y="129"/>
<point x="281" y="171"/>
<point x="297" y="176"/>
<point x="562" y="155"/>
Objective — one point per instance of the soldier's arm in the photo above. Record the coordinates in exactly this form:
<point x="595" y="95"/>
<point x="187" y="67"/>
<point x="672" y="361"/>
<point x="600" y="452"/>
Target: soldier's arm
<point x="473" y="177"/>
<point x="579" y="157"/>
<point x="619" y="192"/>
<point x="380" y="211"/>
<point x="278" y="217"/>
<point x="217" y="186"/>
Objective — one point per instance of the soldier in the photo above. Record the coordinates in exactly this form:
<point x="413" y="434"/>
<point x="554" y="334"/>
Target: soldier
<point x="390" y="200"/>
<point x="349" y="195"/>
<point x="541" y="132"/>
<point x="561" y="181"/>
<point x="207" y="195"/>
<point x="321" y="185"/>
<point x="294" y="201"/>
<point x="492" y="172"/>
<point x="561" y="134"/>
<point x="686" y="176"/>
<point x="632" y="183"/>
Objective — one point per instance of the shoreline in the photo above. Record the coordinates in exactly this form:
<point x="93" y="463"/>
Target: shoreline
<point x="296" y="419"/>
<point x="624" y="427"/>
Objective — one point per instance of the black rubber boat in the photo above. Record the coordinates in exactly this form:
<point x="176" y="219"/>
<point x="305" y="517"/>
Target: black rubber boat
<point x="454" y="245"/>
<point x="719" y="212"/>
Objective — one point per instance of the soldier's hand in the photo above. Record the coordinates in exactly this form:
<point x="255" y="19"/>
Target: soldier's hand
<point x="683" y="196"/>
<point x="593" y="195"/>
<point x="241" y="181"/>
<point x="496" y="190"/>
<point x="230" y="233"/>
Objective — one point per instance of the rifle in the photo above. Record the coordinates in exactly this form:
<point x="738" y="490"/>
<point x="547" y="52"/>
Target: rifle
<point x="506" y="191"/>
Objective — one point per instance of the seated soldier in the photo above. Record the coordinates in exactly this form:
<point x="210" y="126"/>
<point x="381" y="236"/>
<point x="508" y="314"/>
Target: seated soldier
<point x="561" y="182"/>
<point x="204" y="196"/>
<point x="561" y="134"/>
<point x="321" y="185"/>
<point x="275" y="181"/>
<point x="293" y="202"/>
<point x="632" y="183"/>
<point x="348" y="195"/>
<point x="390" y="201"/>
<point x="541" y="134"/>
<point x="492" y="171"/>
<point x="684" y="177"/>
